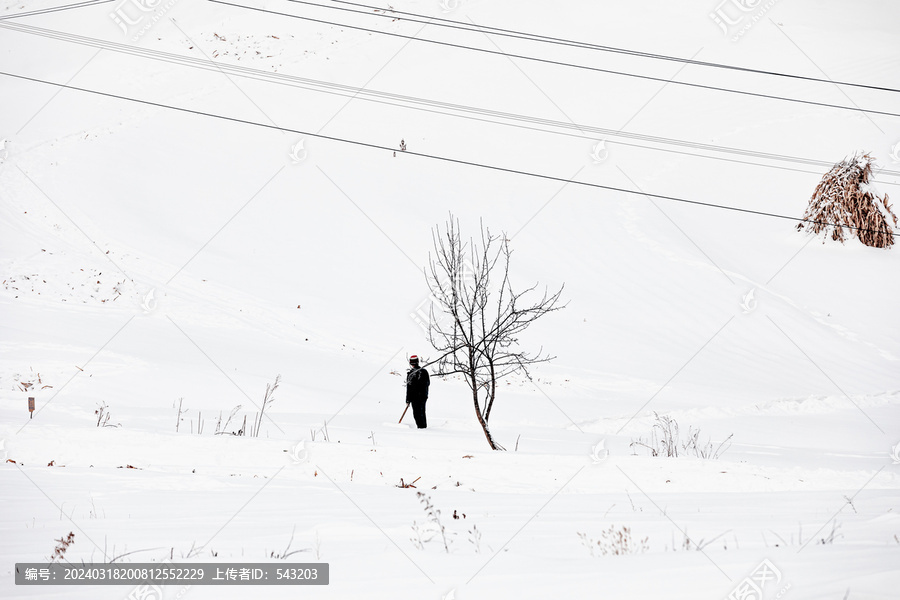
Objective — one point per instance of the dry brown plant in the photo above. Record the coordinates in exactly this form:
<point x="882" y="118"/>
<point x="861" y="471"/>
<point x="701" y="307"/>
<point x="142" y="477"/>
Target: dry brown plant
<point x="846" y="204"/>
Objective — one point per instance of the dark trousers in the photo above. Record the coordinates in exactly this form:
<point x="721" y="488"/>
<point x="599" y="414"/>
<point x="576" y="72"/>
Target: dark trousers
<point x="418" y="407"/>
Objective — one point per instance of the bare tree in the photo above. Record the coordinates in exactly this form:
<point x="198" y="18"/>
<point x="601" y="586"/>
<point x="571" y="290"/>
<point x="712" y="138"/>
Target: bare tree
<point x="476" y="317"/>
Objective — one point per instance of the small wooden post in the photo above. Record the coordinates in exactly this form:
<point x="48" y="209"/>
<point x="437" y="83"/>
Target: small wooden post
<point x="30" y="407"/>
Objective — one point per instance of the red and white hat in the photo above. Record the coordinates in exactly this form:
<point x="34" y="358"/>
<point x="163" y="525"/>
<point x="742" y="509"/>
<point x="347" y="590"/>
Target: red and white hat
<point x="413" y="359"/>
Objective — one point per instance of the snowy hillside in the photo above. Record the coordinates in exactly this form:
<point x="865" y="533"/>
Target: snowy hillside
<point x="199" y="196"/>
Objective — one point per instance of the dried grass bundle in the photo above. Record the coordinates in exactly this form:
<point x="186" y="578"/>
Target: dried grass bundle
<point x="845" y="203"/>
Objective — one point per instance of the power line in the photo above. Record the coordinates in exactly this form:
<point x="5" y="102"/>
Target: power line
<point x="429" y="156"/>
<point x="432" y="106"/>
<point x="449" y="23"/>
<point x="44" y="11"/>
<point x="560" y="63"/>
<point x="511" y="33"/>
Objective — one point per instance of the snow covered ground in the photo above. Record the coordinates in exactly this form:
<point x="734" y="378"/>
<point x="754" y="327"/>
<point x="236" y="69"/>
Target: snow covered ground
<point x="153" y="256"/>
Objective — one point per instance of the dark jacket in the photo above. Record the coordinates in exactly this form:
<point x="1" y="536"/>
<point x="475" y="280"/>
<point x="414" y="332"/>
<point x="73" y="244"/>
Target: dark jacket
<point x="417" y="383"/>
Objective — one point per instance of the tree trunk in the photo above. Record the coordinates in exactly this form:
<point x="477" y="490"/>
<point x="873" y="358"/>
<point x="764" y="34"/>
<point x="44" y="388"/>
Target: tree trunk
<point x="484" y="426"/>
<point x="492" y="392"/>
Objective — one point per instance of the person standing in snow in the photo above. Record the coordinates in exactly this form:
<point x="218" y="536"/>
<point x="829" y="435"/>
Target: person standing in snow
<point x="417" y="383"/>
